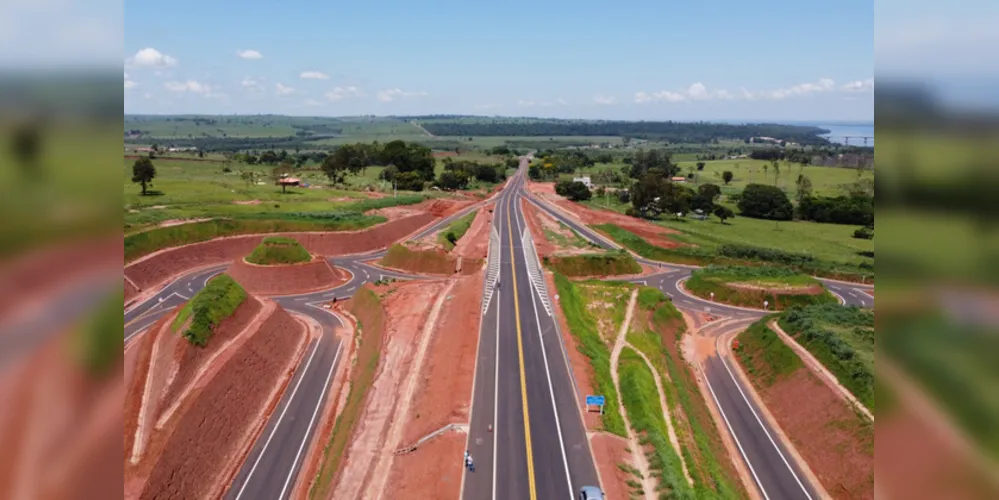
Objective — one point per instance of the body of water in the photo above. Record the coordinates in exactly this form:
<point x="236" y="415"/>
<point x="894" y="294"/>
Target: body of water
<point x="839" y="132"/>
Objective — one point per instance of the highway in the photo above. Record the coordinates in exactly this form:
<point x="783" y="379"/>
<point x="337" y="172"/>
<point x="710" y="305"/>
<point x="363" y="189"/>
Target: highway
<point x="271" y="467"/>
<point x="524" y="390"/>
<point x="773" y="469"/>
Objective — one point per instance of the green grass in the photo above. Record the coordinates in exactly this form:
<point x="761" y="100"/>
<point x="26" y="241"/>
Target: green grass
<point x="455" y="230"/>
<point x="720" y="251"/>
<point x="657" y="327"/>
<point x="641" y="400"/>
<point x="716" y="280"/>
<point x="842" y="339"/>
<point x="139" y="244"/>
<point x="208" y="308"/>
<point x="574" y="240"/>
<point x="367" y="308"/>
<point x="764" y="355"/>
<point x="582" y="326"/>
<point x="600" y="264"/>
<point x="276" y="250"/>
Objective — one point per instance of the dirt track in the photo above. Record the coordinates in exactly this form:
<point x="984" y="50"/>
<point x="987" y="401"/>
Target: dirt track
<point x="159" y="267"/>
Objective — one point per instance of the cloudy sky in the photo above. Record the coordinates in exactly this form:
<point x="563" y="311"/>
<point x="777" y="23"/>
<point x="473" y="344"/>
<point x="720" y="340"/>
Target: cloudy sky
<point x="646" y="59"/>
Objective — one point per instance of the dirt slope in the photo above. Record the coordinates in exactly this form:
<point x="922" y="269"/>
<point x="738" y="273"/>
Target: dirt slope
<point x="286" y="279"/>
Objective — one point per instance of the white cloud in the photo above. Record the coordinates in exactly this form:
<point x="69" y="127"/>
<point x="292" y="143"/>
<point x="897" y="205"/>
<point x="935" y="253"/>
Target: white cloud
<point x="151" y="58"/>
<point x="823" y="85"/>
<point x="662" y="95"/>
<point x="313" y="75"/>
<point x="487" y="106"/>
<point x="606" y="100"/>
<point x="281" y="89"/>
<point x="191" y="86"/>
<point x="526" y="104"/>
<point x="250" y="54"/>
<point x="561" y="102"/>
<point x="393" y="94"/>
<point x="338" y="93"/>
<point x="252" y="85"/>
<point x="724" y="95"/>
<point x="129" y="84"/>
<point x="698" y="91"/>
<point x="859" y="86"/>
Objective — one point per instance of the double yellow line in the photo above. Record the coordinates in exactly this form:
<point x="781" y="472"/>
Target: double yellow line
<point x="520" y="354"/>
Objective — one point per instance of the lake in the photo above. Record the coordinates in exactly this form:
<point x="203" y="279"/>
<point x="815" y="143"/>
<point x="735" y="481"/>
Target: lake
<point x="838" y="132"/>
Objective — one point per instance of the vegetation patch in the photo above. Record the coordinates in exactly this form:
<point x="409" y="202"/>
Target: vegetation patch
<point x="602" y="264"/>
<point x="144" y="243"/>
<point x="277" y="250"/>
<point x="765" y="356"/>
<point x="208" y="308"/>
<point x="780" y="287"/>
<point x="367" y="308"/>
<point x="566" y="237"/>
<point x="449" y="237"/>
<point x="418" y="261"/>
<point x="583" y="328"/>
<point x="656" y="331"/>
<point x="641" y="400"/>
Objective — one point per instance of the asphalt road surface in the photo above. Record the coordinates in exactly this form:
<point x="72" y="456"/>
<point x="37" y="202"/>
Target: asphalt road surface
<point x="273" y="463"/>
<point x="524" y="388"/>
<point x="774" y="471"/>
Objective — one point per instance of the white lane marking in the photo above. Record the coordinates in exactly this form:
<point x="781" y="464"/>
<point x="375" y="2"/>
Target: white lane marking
<point x="765" y="431"/>
<point x="736" y="438"/>
<point x="312" y="422"/>
<point x="496" y="395"/>
<point x="551" y="393"/>
<point x="181" y="296"/>
<point x="277" y="424"/>
<point x="839" y="297"/>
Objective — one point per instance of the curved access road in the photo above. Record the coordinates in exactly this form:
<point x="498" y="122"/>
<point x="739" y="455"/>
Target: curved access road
<point x="775" y="471"/>
<point x="271" y="468"/>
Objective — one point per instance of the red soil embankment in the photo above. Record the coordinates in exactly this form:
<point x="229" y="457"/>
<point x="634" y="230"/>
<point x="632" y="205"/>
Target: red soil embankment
<point x="541" y="243"/>
<point x="159" y="267"/>
<point x="216" y="428"/>
<point x="130" y="291"/>
<point x="433" y="262"/>
<point x="475" y="243"/>
<point x="654" y="234"/>
<point x="285" y="279"/>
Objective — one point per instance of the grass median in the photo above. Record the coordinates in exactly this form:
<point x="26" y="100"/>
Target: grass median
<point x="748" y="286"/>
<point x="597" y="264"/>
<point x="450" y="235"/>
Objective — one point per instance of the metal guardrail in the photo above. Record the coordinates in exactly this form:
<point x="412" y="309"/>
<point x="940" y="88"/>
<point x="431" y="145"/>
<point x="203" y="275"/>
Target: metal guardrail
<point x="534" y="270"/>
<point x="492" y="269"/>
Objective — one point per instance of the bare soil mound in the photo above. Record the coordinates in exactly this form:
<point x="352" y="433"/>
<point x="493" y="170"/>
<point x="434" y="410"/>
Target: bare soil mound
<point x="207" y="405"/>
<point x="159" y="267"/>
<point x="434" y="262"/>
<point x="533" y="218"/>
<point x="287" y="279"/>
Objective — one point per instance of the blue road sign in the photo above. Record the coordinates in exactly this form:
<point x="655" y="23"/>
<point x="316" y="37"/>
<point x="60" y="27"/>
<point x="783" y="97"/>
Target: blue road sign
<point x="595" y="400"/>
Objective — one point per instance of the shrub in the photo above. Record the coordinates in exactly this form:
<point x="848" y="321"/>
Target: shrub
<point x="855" y="209"/>
<point x="208" y="308"/>
<point x="278" y="250"/>
<point x="573" y="190"/>
<point x="863" y="234"/>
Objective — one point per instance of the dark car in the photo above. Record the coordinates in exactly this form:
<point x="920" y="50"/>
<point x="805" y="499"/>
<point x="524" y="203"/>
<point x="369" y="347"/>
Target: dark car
<point x="591" y="493"/>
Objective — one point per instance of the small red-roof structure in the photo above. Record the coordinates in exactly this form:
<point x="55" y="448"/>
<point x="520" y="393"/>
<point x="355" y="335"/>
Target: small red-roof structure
<point x="289" y="181"/>
<point x="679" y="179"/>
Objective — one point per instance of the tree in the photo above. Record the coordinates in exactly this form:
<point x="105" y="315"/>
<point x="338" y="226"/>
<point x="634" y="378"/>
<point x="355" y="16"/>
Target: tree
<point x="727" y="176"/>
<point x="573" y="190"/>
<point x="409" y="181"/>
<point x="762" y="201"/>
<point x="723" y="213"/>
<point x="700" y="166"/>
<point x="280" y="172"/>
<point x="248" y="176"/>
<point x="804" y="187"/>
<point x="776" y="164"/>
<point x="710" y="191"/>
<point x="676" y="198"/>
<point x="453" y="180"/>
<point x="347" y="159"/>
<point x="143" y="172"/>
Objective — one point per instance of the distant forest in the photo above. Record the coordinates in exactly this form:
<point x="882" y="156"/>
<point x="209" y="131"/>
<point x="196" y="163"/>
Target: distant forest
<point x="673" y="132"/>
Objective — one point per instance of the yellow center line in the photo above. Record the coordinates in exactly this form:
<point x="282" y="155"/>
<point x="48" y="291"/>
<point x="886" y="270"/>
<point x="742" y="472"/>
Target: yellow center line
<point x="520" y="354"/>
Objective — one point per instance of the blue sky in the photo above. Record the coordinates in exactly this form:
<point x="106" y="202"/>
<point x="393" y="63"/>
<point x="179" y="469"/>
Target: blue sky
<point x="708" y="60"/>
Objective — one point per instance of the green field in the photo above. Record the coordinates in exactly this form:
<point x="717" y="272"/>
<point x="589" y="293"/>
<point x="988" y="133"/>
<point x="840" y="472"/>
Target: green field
<point x="765" y="357"/>
<point x="597" y="264"/>
<point x="842" y="338"/>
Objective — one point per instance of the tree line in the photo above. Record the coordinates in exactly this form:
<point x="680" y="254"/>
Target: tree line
<point x="672" y="132"/>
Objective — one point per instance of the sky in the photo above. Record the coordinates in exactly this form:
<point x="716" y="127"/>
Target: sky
<point x="646" y="59"/>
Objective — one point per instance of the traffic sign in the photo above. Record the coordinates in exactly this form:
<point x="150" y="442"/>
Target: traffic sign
<point x="595" y="400"/>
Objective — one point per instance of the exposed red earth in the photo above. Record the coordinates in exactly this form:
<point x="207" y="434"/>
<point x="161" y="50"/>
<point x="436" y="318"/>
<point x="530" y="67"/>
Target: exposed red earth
<point x="195" y="412"/>
<point x="285" y="279"/>
<point x="157" y="268"/>
<point x="475" y="243"/>
<point x="654" y="234"/>
<point x="443" y="397"/>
